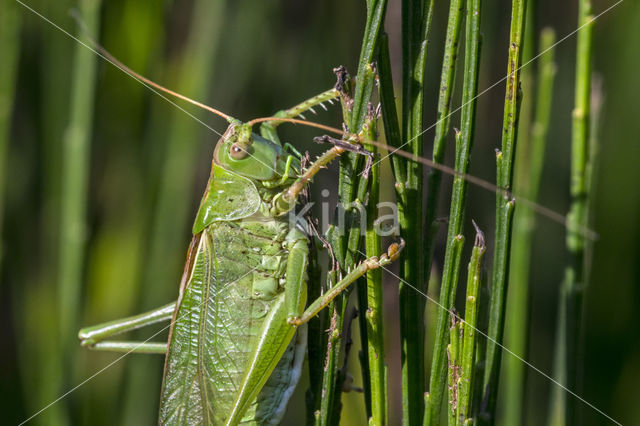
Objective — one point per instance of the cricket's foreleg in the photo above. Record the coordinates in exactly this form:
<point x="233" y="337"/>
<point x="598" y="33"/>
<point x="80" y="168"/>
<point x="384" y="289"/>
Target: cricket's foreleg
<point x="93" y="337"/>
<point x="285" y="200"/>
<point x="131" y="347"/>
<point x="268" y="128"/>
<point x="371" y="263"/>
<point x="287" y="147"/>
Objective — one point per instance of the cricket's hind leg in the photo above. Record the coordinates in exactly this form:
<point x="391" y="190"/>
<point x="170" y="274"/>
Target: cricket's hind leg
<point x="268" y="128"/>
<point x="272" y="401"/>
<point x="94" y="337"/>
<point x="393" y="252"/>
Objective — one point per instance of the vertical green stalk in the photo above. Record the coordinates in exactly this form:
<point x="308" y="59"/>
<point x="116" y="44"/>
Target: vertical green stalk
<point x="317" y="339"/>
<point x="344" y="245"/>
<point x="434" y="176"/>
<point x="389" y="113"/>
<point x="468" y="357"/>
<point x="557" y="398"/>
<point x="372" y="310"/>
<point x="591" y="171"/>
<point x="416" y="24"/>
<point x="10" y="48"/>
<point x="454" y="353"/>
<point x="75" y="176"/>
<point x="329" y="405"/>
<point x="529" y="164"/>
<point x="482" y="325"/>
<point x="10" y="26"/>
<point x="351" y="190"/>
<point x="364" y="87"/>
<point x="375" y="305"/>
<point x="504" y="210"/>
<point x="517" y="308"/>
<point x="42" y="355"/>
<point x="55" y="80"/>
<point x="578" y="216"/>
<point x="464" y="142"/>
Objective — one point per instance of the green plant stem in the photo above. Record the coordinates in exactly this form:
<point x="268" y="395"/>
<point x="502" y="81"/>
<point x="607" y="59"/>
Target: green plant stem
<point x="468" y="357"/>
<point x="516" y="313"/>
<point x="416" y="24"/>
<point x="389" y="113"/>
<point x="10" y="47"/>
<point x="347" y="248"/>
<point x="325" y="396"/>
<point x="375" y="17"/>
<point x="317" y="339"/>
<point x="557" y="412"/>
<point x="454" y="353"/>
<point x="504" y="211"/>
<point x="43" y="355"/>
<point x="75" y="176"/>
<point x="529" y="164"/>
<point x="351" y="189"/>
<point x="591" y="171"/>
<point x="557" y="396"/>
<point x="352" y="256"/>
<point x="482" y="325"/>
<point x="439" y="376"/>
<point x="344" y="246"/>
<point x="375" y="305"/>
<point x="434" y="176"/>
<point x="364" y="355"/>
<point x="578" y="216"/>
<point x="464" y="142"/>
<point x="370" y="289"/>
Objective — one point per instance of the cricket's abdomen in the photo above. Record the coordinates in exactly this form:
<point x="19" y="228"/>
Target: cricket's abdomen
<point x="237" y="277"/>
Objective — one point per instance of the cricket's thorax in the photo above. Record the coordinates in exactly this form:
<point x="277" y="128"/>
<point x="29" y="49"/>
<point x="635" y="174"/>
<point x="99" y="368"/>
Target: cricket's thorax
<point x="236" y="280"/>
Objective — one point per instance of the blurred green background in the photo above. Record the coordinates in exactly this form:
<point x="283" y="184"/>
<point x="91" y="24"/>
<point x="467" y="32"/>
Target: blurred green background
<point x="117" y="246"/>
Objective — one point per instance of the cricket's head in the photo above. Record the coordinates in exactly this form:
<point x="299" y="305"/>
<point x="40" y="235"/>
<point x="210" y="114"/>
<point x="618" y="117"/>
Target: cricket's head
<point x="250" y="155"/>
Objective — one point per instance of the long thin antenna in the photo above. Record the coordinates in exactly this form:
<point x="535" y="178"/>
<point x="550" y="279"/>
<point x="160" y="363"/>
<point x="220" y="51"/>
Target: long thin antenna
<point x="151" y="83"/>
<point x="297" y="121"/>
<point x="104" y="52"/>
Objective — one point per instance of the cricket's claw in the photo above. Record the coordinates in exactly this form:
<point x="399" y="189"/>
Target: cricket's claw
<point x="393" y="252"/>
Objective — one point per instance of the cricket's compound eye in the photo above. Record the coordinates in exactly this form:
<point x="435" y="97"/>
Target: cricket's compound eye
<point x="238" y="152"/>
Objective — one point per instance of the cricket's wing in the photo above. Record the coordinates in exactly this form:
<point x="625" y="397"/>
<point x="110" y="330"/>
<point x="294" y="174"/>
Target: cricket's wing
<point x="225" y="341"/>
